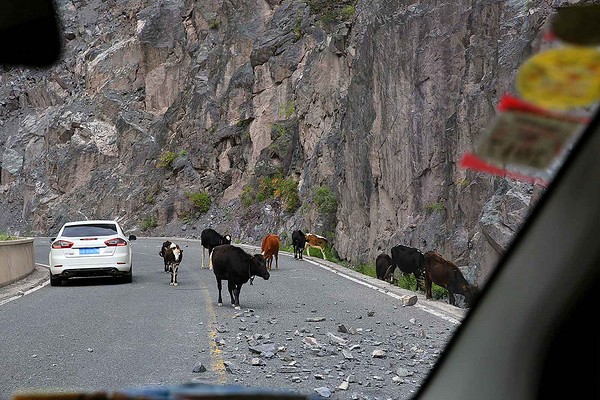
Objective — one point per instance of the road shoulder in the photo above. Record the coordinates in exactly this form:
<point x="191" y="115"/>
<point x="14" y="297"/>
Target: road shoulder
<point x="32" y="282"/>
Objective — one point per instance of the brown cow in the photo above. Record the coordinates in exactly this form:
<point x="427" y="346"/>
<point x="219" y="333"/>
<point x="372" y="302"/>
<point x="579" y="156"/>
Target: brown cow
<point x="317" y="241"/>
<point x="270" y="248"/>
<point x="446" y="274"/>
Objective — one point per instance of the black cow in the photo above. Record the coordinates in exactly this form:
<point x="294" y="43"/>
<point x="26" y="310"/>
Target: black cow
<point x="409" y="261"/>
<point x="162" y="251"/>
<point x="237" y="267"/>
<point x="385" y="268"/>
<point x="173" y="257"/>
<point x="211" y="239"/>
<point x="298" y="241"/>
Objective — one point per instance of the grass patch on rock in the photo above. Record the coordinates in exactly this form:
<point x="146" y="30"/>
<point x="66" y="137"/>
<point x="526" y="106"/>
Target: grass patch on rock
<point x="273" y="187"/>
<point x="6" y="237"/>
<point x="199" y="200"/>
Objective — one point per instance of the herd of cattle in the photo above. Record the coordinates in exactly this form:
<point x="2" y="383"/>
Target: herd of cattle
<point x="237" y="267"/>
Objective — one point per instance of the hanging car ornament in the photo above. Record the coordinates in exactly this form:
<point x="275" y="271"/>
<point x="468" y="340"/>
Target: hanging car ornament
<point x="561" y="79"/>
<point x="524" y="142"/>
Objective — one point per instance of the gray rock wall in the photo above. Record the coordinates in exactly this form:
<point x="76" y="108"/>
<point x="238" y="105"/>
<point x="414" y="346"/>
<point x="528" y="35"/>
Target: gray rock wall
<point x="379" y="108"/>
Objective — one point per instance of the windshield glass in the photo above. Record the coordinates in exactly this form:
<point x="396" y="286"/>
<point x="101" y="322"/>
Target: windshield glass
<point x="89" y="230"/>
<point x="320" y="189"/>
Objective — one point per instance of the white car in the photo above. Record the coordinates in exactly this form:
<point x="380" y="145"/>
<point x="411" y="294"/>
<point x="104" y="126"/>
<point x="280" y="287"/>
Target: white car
<point x="90" y="248"/>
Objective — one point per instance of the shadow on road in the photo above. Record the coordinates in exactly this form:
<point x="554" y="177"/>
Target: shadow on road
<point x="96" y="281"/>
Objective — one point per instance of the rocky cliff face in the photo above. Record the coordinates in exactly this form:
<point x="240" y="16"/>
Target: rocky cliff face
<point x="375" y="100"/>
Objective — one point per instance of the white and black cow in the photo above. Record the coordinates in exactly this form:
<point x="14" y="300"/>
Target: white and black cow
<point x="298" y="241"/>
<point x="409" y="261"/>
<point x="211" y="239"/>
<point x="166" y="244"/>
<point x="173" y="257"/>
<point x="237" y="267"/>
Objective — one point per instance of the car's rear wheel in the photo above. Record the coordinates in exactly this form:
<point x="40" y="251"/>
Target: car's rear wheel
<point x="55" y="280"/>
<point x="128" y="278"/>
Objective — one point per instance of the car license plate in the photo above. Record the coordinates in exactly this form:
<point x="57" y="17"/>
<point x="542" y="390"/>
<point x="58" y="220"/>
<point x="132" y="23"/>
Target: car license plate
<point x="91" y="250"/>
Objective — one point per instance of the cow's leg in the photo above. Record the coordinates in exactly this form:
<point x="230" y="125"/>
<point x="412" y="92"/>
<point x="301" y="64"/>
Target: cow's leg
<point x="175" y="269"/>
<point x="276" y="260"/>
<point x="231" y="288"/>
<point x="210" y="253"/>
<point x="323" y="253"/>
<point x="417" y="280"/>
<point x="307" y="247"/>
<point x="166" y="267"/>
<point x="236" y="293"/>
<point x="295" y="251"/>
<point x="427" y="287"/>
<point x="451" y="298"/>
<point x="203" y="250"/>
<point x="219" y="286"/>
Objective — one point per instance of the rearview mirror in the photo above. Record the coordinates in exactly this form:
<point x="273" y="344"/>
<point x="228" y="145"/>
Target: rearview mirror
<point x="30" y="33"/>
<point x="132" y="237"/>
<point x="52" y="239"/>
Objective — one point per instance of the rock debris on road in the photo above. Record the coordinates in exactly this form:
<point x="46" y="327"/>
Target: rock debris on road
<point x="306" y="329"/>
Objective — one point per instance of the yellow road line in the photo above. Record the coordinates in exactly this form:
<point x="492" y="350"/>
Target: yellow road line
<point x="216" y="360"/>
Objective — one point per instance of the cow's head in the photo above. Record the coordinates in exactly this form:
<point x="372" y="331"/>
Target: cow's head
<point x="470" y="292"/>
<point x="226" y="239"/>
<point x="389" y="274"/>
<point x="258" y="266"/>
<point x="177" y="252"/>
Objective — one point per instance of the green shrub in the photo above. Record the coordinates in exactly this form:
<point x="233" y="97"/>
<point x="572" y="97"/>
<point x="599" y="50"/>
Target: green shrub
<point x="248" y="196"/>
<point x="199" y="200"/>
<point x="276" y="187"/>
<point x="365" y="269"/>
<point x="408" y="282"/>
<point x="287" y="190"/>
<point x="435" y="207"/>
<point x="166" y="159"/>
<point x="331" y="253"/>
<point x="286" y="247"/>
<point x="288" y="109"/>
<point x="298" y="30"/>
<point x="149" y="199"/>
<point x="149" y="222"/>
<point x="6" y="236"/>
<point x="243" y="123"/>
<point x="347" y="13"/>
<point x="325" y="200"/>
<point x="332" y="11"/>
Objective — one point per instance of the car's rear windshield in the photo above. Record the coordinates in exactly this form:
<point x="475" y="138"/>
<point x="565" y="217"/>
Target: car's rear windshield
<point x="90" y="230"/>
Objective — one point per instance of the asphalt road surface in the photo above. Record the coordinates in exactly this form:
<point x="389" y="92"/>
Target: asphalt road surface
<point x="99" y="334"/>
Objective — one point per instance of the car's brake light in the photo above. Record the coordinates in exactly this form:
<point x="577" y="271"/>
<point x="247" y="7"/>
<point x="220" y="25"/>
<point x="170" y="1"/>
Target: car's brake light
<point x="116" y="242"/>
<point x="62" y="244"/>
